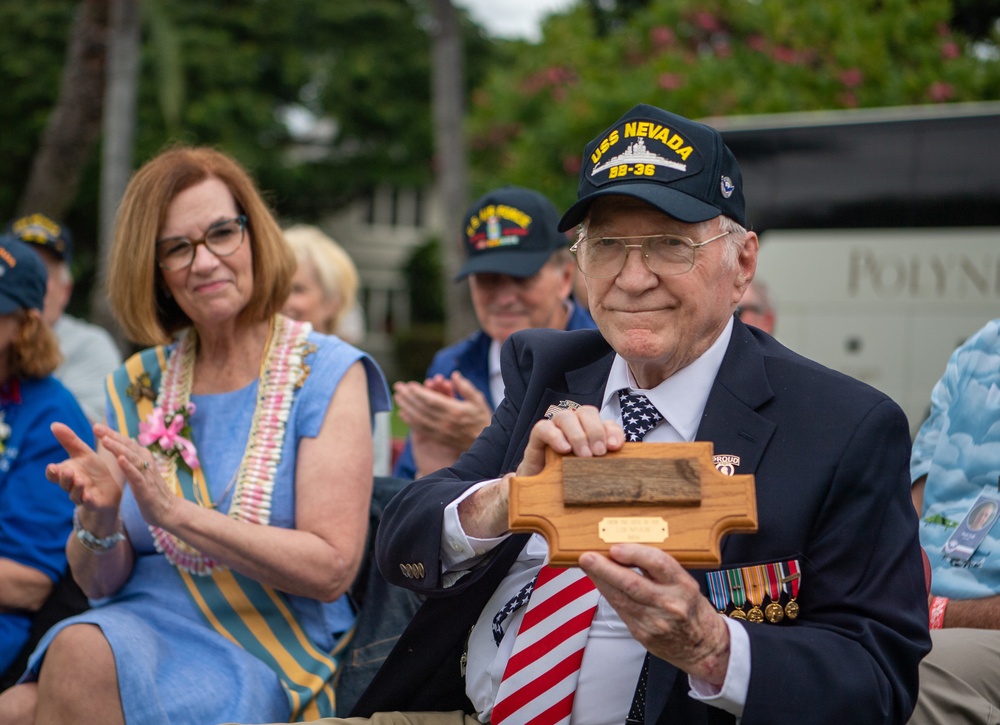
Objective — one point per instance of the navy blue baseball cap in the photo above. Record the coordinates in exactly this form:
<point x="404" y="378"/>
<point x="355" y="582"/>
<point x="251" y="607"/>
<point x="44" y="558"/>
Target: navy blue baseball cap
<point x="512" y="231"/>
<point x="45" y="232"/>
<point x="22" y="277"/>
<point x="681" y="167"/>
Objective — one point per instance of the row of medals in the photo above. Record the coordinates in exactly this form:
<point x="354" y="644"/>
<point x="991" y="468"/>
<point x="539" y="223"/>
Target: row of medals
<point x="773" y="612"/>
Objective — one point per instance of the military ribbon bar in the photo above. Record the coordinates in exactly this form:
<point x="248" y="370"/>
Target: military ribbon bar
<point x="718" y="591"/>
<point x="737" y="592"/>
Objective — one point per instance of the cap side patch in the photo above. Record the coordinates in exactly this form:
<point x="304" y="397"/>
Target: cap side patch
<point x="495" y="233"/>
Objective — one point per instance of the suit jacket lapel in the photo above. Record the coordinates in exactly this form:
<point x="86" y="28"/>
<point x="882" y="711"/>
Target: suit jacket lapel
<point x="731" y="420"/>
<point x="584" y="386"/>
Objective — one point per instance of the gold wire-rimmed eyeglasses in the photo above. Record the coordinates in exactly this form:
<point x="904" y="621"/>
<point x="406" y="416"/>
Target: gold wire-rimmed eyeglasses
<point x="664" y="254"/>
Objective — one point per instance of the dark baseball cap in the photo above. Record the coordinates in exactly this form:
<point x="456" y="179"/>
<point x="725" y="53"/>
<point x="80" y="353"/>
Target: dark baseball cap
<point x="45" y="232"/>
<point x="681" y="167"/>
<point x="22" y="276"/>
<point x="512" y="231"/>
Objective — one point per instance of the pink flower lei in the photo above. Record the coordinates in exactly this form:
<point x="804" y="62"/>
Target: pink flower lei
<point x="283" y="370"/>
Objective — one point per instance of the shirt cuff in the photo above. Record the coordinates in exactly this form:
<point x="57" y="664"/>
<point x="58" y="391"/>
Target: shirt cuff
<point x="459" y="551"/>
<point x="732" y="696"/>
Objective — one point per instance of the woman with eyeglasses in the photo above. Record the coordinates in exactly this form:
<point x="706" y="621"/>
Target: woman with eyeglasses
<point x="223" y="515"/>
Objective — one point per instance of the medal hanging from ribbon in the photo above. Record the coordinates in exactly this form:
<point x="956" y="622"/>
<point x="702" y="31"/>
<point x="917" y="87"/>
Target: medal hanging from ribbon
<point x="737" y="592"/>
<point x="753" y="579"/>
<point x="754" y="585"/>
<point x="773" y="611"/>
<point x="790" y="577"/>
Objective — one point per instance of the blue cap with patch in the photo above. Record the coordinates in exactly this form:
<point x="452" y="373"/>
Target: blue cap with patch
<point x="22" y="277"/>
<point x="45" y="232"/>
<point x="512" y="231"/>
<point x="681" y="167"/>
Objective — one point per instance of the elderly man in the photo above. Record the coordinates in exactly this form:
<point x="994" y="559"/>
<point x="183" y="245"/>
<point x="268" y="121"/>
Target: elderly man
<point x="89" y="351"/>
<point x="520" y="276"/>
<point x="667" y="257"/>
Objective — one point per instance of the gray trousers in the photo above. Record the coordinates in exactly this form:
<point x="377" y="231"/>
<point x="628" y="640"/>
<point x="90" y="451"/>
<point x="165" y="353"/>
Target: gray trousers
<point x="960" y="679"/>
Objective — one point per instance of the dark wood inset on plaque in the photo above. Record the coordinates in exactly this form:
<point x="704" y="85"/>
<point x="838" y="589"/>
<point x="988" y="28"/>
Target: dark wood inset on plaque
<point x="668" y="495"/>
<point x="636" y="481"/>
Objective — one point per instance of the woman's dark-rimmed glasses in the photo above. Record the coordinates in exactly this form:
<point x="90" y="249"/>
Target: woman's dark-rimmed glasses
<point x="222" y="239"/>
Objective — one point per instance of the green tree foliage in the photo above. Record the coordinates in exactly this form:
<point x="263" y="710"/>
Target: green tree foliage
<point x="33" y="38"/>
<point x="245" y="64"/>
<point x="415" y="347"/>
<point x="226" y="74"/>
<point x="423" y="269"/>
<point x="534" y="114"/>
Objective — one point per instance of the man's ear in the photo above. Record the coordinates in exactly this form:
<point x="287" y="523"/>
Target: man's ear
<point x="746" y="259"/>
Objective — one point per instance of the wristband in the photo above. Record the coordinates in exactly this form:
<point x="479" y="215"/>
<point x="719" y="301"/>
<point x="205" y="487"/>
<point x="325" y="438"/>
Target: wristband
<point x="938" y="605"/>
<point x="94" y="544"/>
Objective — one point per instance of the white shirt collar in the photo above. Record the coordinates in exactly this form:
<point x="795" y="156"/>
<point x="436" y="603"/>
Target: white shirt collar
<point x="496" y="377"/>
<point x="682" y="397"/>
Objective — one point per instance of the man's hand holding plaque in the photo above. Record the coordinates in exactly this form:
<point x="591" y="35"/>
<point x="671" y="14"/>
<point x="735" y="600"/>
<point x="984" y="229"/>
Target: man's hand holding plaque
<point x="585" y="489"/>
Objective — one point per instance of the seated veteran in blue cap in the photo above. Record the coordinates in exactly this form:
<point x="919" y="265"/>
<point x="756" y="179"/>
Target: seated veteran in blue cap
<point x="35" y="517"/>
<point x="820" y="616"/>
<point x="520" y="276"/>
<point x="89" y="352"/>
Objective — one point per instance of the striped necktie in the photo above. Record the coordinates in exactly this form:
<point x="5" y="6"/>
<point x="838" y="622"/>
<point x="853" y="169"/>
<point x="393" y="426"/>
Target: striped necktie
<point x="539" y="682"/>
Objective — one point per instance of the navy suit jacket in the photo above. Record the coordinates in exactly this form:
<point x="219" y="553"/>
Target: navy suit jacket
<point x="830" y="458"/>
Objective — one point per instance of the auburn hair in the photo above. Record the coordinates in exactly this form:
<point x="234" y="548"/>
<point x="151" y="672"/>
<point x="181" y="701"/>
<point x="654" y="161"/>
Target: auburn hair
<point x="136" y="290"/>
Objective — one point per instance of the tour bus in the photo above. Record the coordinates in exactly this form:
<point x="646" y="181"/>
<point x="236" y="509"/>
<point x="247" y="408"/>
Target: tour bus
<point x="880" y="235"/>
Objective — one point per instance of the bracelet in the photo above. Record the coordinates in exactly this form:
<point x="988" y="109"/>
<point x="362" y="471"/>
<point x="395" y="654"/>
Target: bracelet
<point x="94" y="544"/>
<point x="938" y="605"/>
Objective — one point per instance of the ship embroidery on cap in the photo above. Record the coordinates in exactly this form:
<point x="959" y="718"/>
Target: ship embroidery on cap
<point x="638" y="153"/>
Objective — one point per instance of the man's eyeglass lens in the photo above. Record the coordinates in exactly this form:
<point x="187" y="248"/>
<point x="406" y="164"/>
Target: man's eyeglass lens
<point x="664" y="254"/>
<point x="222" y="240"/>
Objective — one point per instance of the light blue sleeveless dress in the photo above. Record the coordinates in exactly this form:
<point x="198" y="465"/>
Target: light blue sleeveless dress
<point x="172" y="667"/>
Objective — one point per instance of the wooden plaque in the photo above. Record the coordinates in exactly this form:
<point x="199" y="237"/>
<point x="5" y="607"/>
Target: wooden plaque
<point x="668" y="495"/>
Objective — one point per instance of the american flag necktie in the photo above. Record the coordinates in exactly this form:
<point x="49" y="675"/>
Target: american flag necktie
<point x="539" y="682"/>
<point x="639" y="416"/>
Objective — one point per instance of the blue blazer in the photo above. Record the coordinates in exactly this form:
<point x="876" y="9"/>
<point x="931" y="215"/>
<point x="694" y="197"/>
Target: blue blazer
<point x="830" y="459"/>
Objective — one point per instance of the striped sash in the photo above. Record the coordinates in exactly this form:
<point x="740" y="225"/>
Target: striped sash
<point x="253" y="616"/>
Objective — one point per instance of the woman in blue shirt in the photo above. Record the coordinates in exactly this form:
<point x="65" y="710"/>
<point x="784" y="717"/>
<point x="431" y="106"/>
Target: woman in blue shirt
<point x="35" y="516"/>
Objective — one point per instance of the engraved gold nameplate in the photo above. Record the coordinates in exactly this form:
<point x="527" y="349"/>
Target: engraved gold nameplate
<point x="668" y="495"/>
<point x="635" y="529"/>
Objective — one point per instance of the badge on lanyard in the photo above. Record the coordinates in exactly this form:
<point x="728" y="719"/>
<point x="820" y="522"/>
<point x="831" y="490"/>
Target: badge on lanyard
<point x="977" y="523"/>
